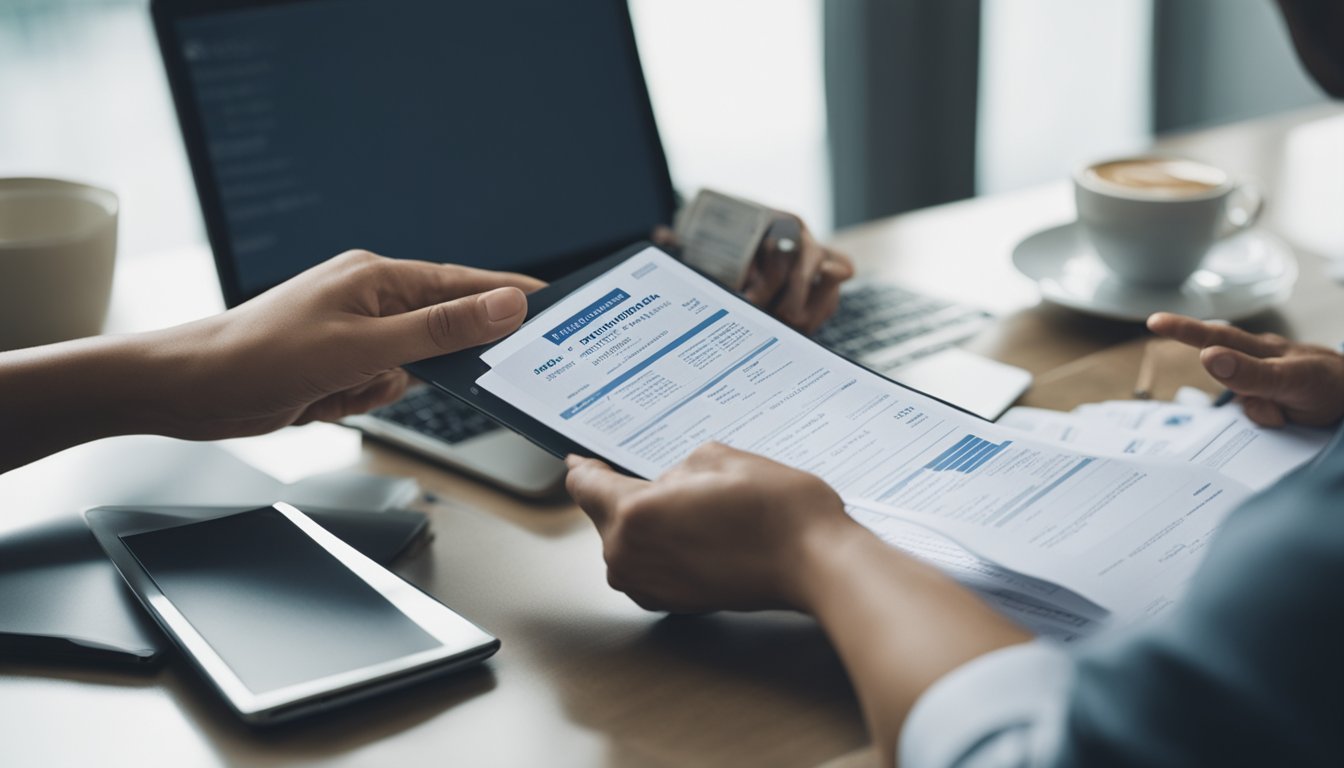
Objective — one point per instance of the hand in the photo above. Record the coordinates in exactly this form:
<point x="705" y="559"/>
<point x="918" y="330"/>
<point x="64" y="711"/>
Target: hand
<point x="800" y="287"/>
<point x="329" y="342"/>
<point x="722" y="530"/>
<point x="1277" y="380"/>
<point x="729" y="530"/>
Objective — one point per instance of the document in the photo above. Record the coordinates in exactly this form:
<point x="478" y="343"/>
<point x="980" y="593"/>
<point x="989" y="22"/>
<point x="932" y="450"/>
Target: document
<point x="651" y="360"/>
<point x="1185" y="430"/>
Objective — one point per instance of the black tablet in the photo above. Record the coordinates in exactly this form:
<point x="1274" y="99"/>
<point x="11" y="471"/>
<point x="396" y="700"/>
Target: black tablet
<point x="281" y="616"/>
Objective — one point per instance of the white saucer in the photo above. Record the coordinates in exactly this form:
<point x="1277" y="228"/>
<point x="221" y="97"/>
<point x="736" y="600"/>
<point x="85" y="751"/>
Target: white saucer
<point x="1242" y="275"/>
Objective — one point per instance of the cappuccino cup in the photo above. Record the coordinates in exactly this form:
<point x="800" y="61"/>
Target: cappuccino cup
<point x="1152" y="219"/>
<point x="58" y="244"/>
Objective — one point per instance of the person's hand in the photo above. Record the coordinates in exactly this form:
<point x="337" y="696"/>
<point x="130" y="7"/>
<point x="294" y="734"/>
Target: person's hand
<point x="329" y="342"/>
<point x="727" y="530"/>
<point x="800" y="286"/>
<point x="1277" y="380"/>
<point x="723" y="530"/>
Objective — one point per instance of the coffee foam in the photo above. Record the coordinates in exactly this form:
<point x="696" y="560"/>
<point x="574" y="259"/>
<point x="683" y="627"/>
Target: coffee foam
<point x="1157" y="177"/>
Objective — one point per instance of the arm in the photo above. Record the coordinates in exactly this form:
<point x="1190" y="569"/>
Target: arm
<point x="729" y="530"/>
<point x="898" y="624"/>
<point x="321" y="346"/>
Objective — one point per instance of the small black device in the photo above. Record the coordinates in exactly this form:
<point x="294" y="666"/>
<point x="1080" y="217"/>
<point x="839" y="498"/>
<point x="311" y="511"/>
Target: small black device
<point x="280" y="615"/>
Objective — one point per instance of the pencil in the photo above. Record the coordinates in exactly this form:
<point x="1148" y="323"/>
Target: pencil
<point x="1143" y="386"/>
<point x="1224" y="398"/>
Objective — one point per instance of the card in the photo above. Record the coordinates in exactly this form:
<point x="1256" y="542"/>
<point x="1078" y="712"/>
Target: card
<point x="720" y="234"/>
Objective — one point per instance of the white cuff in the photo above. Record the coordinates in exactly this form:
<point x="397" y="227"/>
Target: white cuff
<point x="1002" y="709"/>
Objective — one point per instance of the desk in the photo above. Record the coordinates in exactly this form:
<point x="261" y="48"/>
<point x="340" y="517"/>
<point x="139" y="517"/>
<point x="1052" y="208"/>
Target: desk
<point x="585" y="678"/>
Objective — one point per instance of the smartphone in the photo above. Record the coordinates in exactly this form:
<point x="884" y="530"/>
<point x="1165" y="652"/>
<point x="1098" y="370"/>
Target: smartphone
<point x="283" y="618"/>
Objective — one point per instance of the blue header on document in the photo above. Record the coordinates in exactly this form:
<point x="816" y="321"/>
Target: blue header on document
<point x="581" y="320"/>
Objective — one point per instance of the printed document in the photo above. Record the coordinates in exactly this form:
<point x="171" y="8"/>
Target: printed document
<point x="651" y="360"/>
<point x="1185" y="430"/>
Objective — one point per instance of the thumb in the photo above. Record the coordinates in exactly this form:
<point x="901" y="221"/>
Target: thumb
<point x="1246" y="375"/>
<point x="449" y="327"/>
<point x="598" y="488"/>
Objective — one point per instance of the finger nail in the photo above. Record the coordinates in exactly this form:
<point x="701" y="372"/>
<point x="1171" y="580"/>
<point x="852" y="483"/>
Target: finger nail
<point x="503" y="303"/>
<point x="1223" y="366"/>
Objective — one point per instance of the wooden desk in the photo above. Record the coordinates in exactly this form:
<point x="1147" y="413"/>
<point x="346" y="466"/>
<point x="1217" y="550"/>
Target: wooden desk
<point x="585" y="678"/>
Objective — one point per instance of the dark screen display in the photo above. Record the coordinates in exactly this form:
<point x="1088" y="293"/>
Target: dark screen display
<point x="272" y="603"/>
<point x="501" y="134"/>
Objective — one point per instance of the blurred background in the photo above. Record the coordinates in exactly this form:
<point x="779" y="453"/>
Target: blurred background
<point x="840" y="110"/>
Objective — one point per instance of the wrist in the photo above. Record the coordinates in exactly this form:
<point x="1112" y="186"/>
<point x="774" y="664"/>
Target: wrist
<point x="129" y="384"/>
<point x="825" y="551"/>
<point x="61" y="395"/>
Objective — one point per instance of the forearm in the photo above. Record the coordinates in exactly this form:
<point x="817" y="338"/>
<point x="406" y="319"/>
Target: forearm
<point x="898" y="625"/>
<point x="60" y="395"/>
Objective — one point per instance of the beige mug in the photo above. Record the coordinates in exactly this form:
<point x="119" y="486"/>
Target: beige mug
<point x="58" y="244"/>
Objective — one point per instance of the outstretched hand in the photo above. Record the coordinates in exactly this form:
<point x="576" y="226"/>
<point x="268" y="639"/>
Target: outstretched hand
<point x="329" y="342"/>
<point x="1277" y="380"/>
<point x="325" y="344"/>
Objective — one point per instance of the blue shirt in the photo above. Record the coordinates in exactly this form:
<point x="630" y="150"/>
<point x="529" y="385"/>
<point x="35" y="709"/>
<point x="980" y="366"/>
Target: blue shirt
<point x="1247" y="670"/>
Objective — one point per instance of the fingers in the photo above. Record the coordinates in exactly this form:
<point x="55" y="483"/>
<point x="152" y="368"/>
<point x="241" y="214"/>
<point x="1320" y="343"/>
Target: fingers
<point x="802" y="277"/>
<point x="383" y="389"/>
<point x="824" y="298"/>
<point x="768" y="275"/>
<point x="404" y="285"/>
<point x="1264" y="412"/>
<point x="447" y="327"/>
<point x="711" y="456"/>
<point x="663" y="236"/>
<point x="597" y="487"/>
<point x="1196" y="333"/>
<point x="1244" y="374"/>
<point x="837" y="268"/>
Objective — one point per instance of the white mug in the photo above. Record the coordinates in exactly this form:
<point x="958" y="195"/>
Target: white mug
<point x="1154" y="225"/>
<point x="58" y="244"/>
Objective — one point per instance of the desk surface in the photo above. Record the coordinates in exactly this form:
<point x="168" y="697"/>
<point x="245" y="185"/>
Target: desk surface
<point x="586" y="678"/>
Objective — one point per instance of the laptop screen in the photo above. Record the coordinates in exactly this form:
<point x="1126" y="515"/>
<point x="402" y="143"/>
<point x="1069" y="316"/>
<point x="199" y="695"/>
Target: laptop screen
<point x="509" y="134"/>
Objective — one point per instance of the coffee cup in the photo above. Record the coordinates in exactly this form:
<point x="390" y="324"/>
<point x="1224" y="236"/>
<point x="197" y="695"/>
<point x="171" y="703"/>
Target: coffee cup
<point x="1152" y="219"/>
<point x="58" y="244"/>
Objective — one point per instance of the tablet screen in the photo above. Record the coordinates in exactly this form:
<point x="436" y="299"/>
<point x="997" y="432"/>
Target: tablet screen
<point x="274" y="604"/>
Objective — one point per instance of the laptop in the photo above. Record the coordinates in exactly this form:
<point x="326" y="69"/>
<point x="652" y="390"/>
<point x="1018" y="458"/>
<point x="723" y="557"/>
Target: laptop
<point x="505" y="135"/>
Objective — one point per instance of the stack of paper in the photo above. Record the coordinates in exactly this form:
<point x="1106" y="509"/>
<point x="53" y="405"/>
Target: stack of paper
<point x="649" y="361"/>
<point x="1188" y="430"/>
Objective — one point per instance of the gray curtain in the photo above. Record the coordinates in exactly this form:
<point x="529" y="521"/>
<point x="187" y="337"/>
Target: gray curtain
<point x="1216" y="61"/>
<point x="901" y="85"/>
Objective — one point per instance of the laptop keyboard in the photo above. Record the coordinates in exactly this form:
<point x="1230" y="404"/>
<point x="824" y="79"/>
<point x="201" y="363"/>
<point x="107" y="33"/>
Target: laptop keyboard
<point x="429" y="411"/>
<point x="885" y="326"/>
<point x="880" y="325"/>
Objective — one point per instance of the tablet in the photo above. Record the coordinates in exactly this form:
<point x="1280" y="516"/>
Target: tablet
<point x="281" y="616"/>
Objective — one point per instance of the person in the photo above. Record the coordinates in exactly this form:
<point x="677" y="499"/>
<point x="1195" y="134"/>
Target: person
<point x="326" y="344"/>
<point x="1246" y="671"/>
